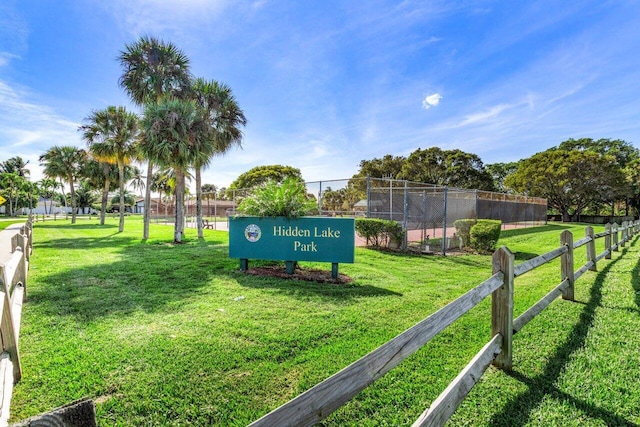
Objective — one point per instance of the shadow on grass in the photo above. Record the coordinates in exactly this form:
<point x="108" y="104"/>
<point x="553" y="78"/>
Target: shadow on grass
<point x="156" y="276"/>
<point x="524" y="256"/>
<point x="635" y="282"/>
<point x="516" y="411"/>
<point x="86" y="243"/>
<point x="533" y="230"/>
<point x="76" y="226"/>
<point x="303" y="288"/>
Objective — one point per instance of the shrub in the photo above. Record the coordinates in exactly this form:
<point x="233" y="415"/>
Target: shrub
<point x="485" y="235"/>
<point x="379" y="232"/>
<point x="288" y="199"/>
<point x="463" y="229"/>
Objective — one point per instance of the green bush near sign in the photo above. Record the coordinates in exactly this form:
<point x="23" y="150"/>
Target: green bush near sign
<point x="300" y="239"/>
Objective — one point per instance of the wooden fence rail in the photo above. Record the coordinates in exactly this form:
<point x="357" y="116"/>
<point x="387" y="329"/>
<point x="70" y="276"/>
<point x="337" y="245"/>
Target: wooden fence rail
<point x="13" y="287"/>
<point x="320" y="401"/>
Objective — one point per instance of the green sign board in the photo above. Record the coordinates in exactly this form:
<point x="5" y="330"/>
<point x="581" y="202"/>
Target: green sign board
<point x="300" y="239"/>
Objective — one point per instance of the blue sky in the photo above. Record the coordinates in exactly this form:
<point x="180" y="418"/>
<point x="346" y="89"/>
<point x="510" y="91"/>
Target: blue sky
<point x="326" y="84"/>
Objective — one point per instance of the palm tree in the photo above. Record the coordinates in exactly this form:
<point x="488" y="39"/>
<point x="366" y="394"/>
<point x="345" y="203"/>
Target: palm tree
<point x="111" y="135"/>
<point x="160" y="184"/>
<point x="208" y="192"/>
<point x="85" y="195"/>
<point x="101" y="175"/>
<point x="11" y="184"/>
<point x="128" y="197"/>
<point x="152" y="70"/>
<point x="171" y="128"/>
<point x="64" y="162"/>
<point x="47" y="190"/>
<point x="223" y="118"/>
<point x="15" y="165"/>
<point x="137" y="181"/>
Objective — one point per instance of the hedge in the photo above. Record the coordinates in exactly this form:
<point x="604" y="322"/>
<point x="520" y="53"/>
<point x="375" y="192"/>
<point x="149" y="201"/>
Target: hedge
<point x="379" y="232"/>
<point x="485" y="234"/>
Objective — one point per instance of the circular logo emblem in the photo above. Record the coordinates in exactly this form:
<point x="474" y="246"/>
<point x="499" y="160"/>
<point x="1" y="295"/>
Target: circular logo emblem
<point x="252" y="233"/>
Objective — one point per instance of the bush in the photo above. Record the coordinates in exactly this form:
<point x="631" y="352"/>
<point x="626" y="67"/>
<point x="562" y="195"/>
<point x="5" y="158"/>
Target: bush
<point x="288" y="199"/>
<point x="463" y="229"/>
<point x="485" y="235"/>
<point x="379" y="232"/>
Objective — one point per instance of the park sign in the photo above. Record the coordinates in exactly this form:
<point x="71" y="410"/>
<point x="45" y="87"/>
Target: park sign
<point x="300" y="239"/>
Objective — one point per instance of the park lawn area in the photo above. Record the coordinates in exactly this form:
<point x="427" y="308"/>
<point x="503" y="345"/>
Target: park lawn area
<point x="164" y="334"/>
<point x="4" y="223"/>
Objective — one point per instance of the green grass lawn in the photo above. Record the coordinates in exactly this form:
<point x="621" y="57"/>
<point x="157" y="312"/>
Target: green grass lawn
<point x="5" y="222"/>
<point x="163" y="334"/>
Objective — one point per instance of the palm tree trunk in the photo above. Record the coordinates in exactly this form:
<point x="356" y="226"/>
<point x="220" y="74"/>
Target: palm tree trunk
<point x="103" y="204"/>
<point x="199" y="203"/>
<point x="73" y="200"/>
<point x="179" y="224"/>
<point x="121" y="179"/>
<point x="147" y="202"/>
<point x="64" y="196"/>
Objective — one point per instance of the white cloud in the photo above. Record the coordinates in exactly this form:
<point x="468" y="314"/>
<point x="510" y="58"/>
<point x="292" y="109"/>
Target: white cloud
<point x="138" y="17"/>
<point x="431" y="101"/>
<point x="28" y="129"/>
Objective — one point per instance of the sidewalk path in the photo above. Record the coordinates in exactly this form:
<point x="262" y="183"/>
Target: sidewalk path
<point x="5" y="240"/>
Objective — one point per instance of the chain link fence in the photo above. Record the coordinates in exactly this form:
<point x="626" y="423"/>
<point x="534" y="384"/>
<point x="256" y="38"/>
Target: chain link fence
<point x="426" y="211"/>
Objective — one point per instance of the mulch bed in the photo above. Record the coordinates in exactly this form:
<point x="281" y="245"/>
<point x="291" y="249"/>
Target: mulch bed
<point x="300" y="273"/>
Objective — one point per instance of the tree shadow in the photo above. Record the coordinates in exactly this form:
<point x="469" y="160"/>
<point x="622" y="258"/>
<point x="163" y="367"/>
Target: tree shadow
<point x="517" y="410"/>
<point x="532" y="230"/>
<point x="75" y="226"/>
<point x="303" y="288"/>
<point x="147" y="277"/>
<point x="85" y="243"/>
<point x="150" y="276"/>
<point x="635" y="282"/>
<point x="524" y="256"/>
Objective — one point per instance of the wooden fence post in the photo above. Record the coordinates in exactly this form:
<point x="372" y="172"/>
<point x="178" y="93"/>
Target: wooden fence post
<point x="566" y="265"/>
<point x="502" y="307"/>
<point x="614" y="228"/>
<point x="7" y="327"/>
<point x="623" y="237"/>
<point x="591" y="248"/>
<point x="607" y="241"/>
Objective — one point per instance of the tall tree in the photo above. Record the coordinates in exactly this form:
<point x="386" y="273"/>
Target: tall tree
<point x="85" y="195"/>
<point x="137" y="181"/>
<point x="624" y="153"/>
<point x="499" y="172"/>
<point x="451" y="168"/>
<point x="101" y="175"/>
<point x="160" y="184"/>
<point x="223" y="119"/>
<point x="152" y="69"/>
<point x="64" y="162"/>
<point x="386" y="167"/>
<point x="569" y="180"/>
<point x="48" y="188"/>
<point x="171" y="128"/>
<point x="209" y="191"/>
<point x="15" y="165"/>
<point x="111" y="136"/>
<point x="11" y="185"/>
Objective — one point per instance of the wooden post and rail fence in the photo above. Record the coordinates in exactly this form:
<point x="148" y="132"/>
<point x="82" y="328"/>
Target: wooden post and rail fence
<point x="321" y="400"/>
<point x="13" y="287"/>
